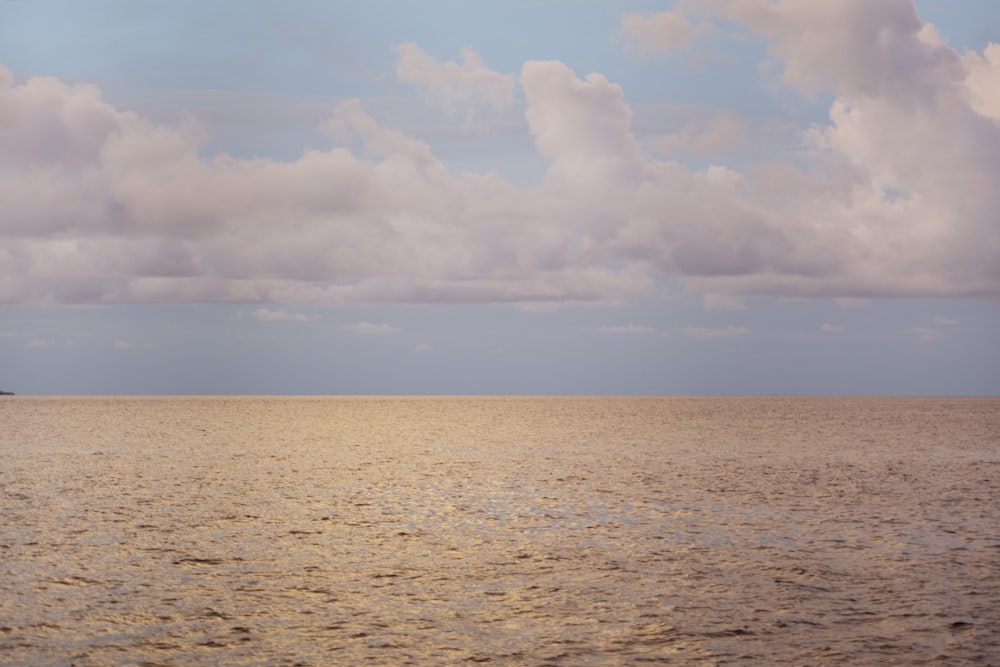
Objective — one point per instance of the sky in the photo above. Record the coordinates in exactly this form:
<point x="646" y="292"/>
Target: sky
<point x="698" y="197"/>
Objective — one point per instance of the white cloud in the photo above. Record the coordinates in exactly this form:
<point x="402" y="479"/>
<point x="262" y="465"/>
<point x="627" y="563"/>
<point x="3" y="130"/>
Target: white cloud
<point x="270" y="315"/>
<point x="982" y="82"/>
<point x="583" y="127"/>
<point x="465" y="87"/>
<point x="424" y="347"/>
<point x="832" y="328"/>
<point x="628" y="329"/>
<point x="895" y="196"/>
<point x="45" y="120"/>
<point x="370" y="329"/>
<point x="907" y="148"/>
<point x="946" y="322"/>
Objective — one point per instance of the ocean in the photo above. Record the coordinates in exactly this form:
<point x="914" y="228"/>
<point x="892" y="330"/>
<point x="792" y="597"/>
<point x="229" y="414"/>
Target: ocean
<point x="499" y="530"/>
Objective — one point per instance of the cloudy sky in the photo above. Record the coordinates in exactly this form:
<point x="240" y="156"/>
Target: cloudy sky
<point x="526" y="196"/>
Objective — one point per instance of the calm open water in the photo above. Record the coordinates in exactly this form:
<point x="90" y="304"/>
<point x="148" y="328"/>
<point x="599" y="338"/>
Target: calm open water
<point x="510" y="531"/>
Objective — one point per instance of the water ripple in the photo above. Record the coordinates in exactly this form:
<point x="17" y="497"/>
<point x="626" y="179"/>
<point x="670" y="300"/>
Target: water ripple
<point x="500" y="531"/>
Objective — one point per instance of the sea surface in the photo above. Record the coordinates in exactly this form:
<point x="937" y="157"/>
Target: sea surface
<point x="499" y="530"/>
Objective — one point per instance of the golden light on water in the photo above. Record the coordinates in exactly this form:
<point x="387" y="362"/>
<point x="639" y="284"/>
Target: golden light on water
<point x="511" y="530"/>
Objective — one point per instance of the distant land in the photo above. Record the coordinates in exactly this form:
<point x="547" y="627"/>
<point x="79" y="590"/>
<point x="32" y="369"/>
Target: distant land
<point x="6" y="393"/>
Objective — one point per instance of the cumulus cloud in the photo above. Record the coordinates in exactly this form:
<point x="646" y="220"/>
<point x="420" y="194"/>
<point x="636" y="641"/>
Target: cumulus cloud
<point x="896" y="195"/>
<point x="464" y="87"/>
<point x="982" y="80"/>
<point x="45" y="121"/>
<point x="370" y="329"/>
<point x="583" y="126"/>
<point x="906" y="155"/>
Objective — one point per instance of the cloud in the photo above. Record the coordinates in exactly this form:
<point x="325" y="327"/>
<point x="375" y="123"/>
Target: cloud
<point x="269" y="315"/>
<point x="713" y="135"/>
<point x="659" y="32"/>
<point x="832" y="328"/>
<point x="853" y="47"/>
<point x="424" y="347"/>
<point x="729" y="331"/>
<point x="902" y="136"/>
<point x="45" y="120"/>
<point x="894" y="195"/>
<point x="583" y="127"/>
<point x="628" y="329"/>
<point x="982" y="81"/>
<point x="946" y="322"/>
<point x="370" y="329"/>
<point x="466" y="87"/>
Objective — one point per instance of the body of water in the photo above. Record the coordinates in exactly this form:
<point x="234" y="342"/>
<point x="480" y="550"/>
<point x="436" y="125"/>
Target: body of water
<point x="499" y="530"/>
